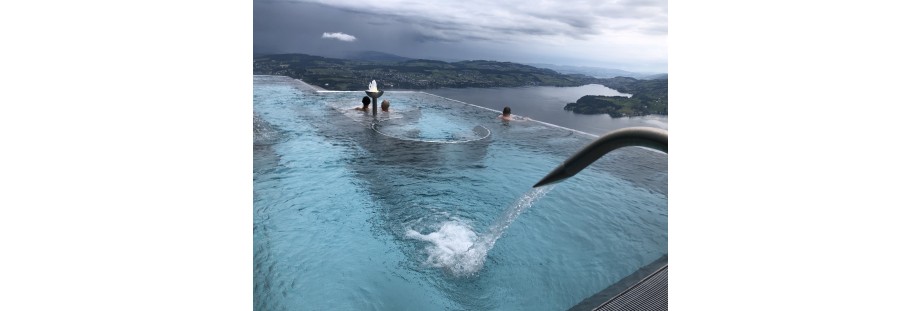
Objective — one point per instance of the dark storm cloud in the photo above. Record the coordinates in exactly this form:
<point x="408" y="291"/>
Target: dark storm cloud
<point x="506" y="30"/>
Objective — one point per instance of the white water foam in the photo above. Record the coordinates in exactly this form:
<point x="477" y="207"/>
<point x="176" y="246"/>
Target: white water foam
<point x="453" y="248"/>
<point x="456" y="248"/>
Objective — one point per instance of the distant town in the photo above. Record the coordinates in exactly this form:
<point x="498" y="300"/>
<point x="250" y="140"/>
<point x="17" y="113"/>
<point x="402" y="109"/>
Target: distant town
<point x="648" y="96"/>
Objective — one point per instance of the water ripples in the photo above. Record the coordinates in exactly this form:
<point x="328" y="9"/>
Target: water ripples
<point x="347" y="218"/>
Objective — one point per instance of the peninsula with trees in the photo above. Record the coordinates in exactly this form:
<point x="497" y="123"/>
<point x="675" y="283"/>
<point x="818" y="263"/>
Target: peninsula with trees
<point x="647" y="96"/>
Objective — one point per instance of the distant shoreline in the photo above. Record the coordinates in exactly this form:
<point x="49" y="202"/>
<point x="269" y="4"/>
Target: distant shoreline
<point x="346" y="74"/>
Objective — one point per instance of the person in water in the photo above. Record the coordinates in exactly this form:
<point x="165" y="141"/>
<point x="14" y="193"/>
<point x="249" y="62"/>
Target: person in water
<point x="364" y="104"/>
<point x="506" y="114"/>
<point x="385" y="106"/>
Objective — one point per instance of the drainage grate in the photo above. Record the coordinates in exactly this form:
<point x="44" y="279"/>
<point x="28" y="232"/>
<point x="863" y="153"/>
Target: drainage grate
<point x="651" y="294"/>
<point x="645" y="289"/>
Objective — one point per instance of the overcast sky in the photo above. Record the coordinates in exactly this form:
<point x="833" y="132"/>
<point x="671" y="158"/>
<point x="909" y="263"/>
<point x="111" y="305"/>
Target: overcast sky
<point x="621" y="34"/>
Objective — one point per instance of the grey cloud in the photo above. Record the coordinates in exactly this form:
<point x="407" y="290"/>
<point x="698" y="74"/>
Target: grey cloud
<point x="661" y="29"/>
<point x="510" y="18"/>
<point x="451" y="29"/>
<point x="653" y="3"/>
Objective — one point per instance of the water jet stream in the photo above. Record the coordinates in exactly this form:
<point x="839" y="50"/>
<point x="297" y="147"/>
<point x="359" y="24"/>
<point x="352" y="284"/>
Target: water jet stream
<point x="456" y="248"/>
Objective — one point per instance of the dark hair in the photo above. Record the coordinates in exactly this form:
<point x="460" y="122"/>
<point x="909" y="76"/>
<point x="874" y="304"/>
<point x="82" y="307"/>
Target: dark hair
<point x="366" y="101"/>
<point x="506" y="110"/>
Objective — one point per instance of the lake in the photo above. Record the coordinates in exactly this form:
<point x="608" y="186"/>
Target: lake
<point x="545" y="103"/>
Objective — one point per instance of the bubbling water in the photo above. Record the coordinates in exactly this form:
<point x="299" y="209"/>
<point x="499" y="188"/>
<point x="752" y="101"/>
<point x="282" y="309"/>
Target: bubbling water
<point x="453" y="247"/>
<point x="457" y="249"/>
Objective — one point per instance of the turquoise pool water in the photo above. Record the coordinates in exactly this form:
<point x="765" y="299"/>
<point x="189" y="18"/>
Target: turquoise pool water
<point x="430" y="207"/>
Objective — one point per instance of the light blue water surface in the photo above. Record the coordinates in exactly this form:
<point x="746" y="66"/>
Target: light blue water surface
<point x="356" y="212"/>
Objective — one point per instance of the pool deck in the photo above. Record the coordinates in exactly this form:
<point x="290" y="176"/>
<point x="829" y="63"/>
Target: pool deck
<point x="645" y="289"/>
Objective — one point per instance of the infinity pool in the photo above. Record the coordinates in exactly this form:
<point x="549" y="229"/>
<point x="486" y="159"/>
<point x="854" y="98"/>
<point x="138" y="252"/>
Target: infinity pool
<point x="430" y="206"/>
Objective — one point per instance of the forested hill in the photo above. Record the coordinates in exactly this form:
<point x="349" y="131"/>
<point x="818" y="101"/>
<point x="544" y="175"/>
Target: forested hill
<point x="649" y="97"/>
<point x="343" y="74"/>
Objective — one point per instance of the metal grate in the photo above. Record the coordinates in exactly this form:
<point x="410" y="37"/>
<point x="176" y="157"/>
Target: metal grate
<point x="650" y="294"/>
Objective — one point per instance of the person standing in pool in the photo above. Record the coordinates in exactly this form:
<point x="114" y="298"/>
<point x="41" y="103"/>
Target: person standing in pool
<point x="364" y="104"/>
<point x="385" y="106"/>
<point x="506" y="114"/>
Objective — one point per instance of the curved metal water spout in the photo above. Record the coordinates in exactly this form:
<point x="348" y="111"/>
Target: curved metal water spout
<point x="632" y="136"/>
